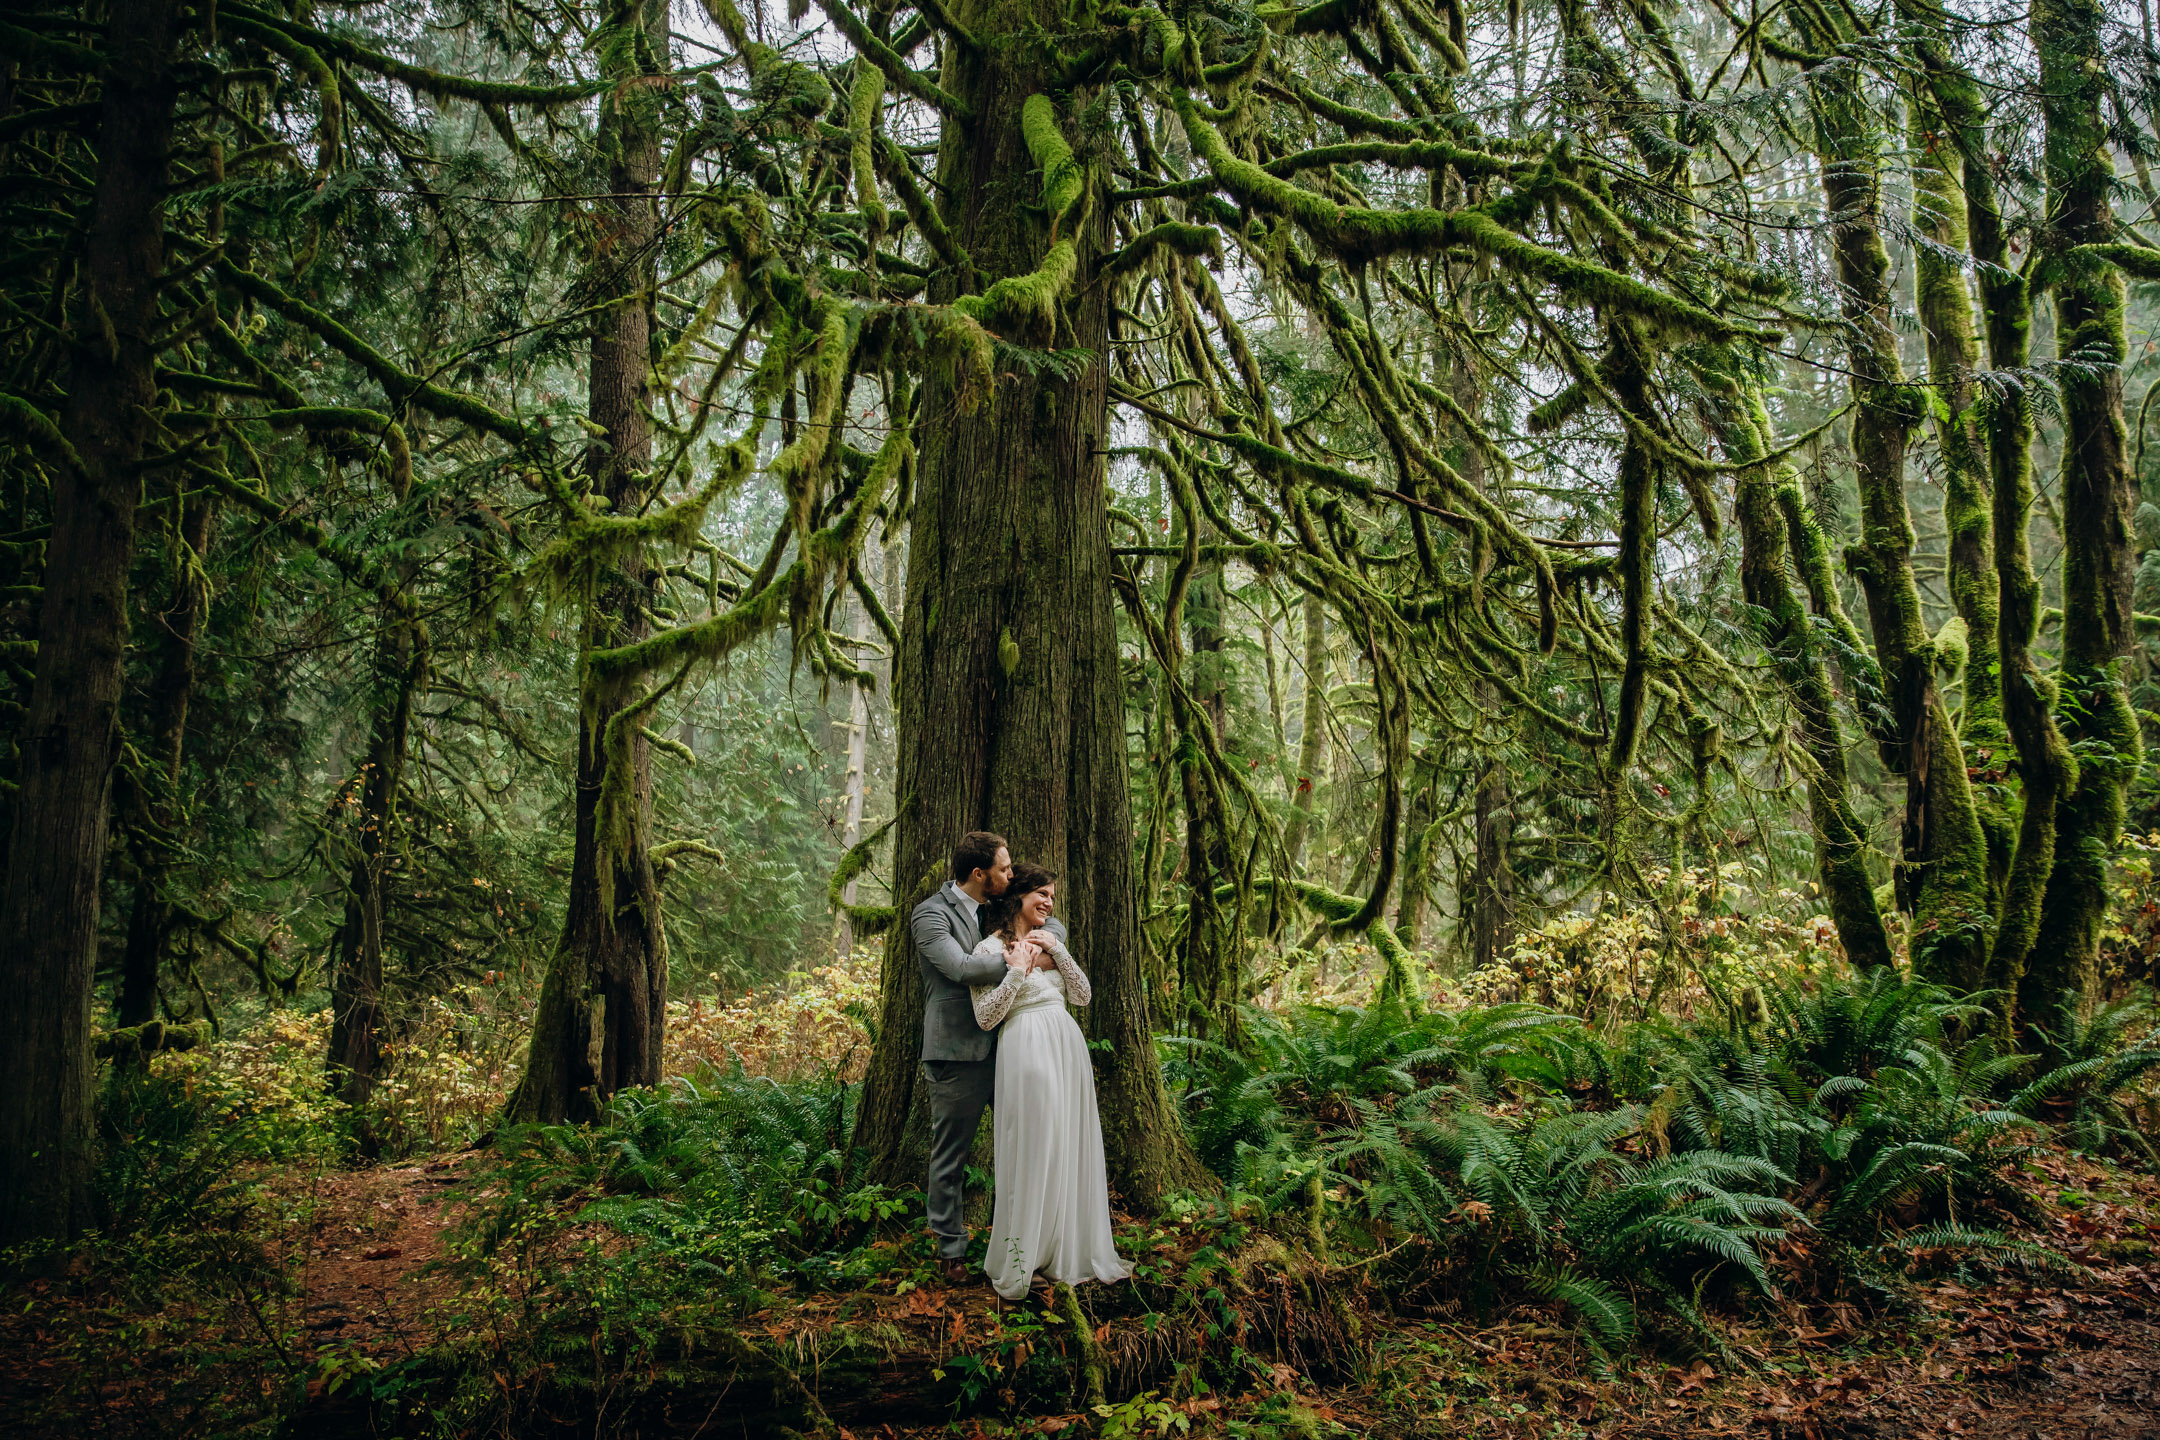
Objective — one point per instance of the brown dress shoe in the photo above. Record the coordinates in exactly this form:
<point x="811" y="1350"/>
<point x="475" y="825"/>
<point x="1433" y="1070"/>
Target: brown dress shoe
<point x="956" y="1271"/>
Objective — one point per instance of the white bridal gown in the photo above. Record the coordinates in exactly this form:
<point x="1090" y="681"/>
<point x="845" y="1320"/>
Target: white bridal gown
<point x="1053" y="1196"/>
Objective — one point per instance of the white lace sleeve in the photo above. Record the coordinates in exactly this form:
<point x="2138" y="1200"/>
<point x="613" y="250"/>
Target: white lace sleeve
<point x="994" y="1002"/>
<point x="1077" y="989"/>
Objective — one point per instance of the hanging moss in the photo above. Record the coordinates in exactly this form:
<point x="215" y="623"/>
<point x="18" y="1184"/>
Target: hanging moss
<point x="330" y="111"/>
<point x="1354" y="233"/>
<point x="33" y="428"/>
<point x="1063" y="183"/>
<point x="437" y="84"/>
<point x="404" y="386"/>
<point x="836" y="325"/>
<point x="592" y="544"/>
<point x="865" y="103"/>
<point x="1024" y="308"/>
<point x="1202" y="242"/>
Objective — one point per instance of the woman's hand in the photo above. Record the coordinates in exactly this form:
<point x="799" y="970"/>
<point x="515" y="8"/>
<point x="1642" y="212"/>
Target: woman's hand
<point x="1039" y="941"/>
<point x="1020" y="955"/>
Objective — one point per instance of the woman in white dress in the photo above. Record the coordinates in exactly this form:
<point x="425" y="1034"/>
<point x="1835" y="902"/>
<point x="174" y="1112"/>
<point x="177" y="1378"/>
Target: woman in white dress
<point x="1053" y="1194"/>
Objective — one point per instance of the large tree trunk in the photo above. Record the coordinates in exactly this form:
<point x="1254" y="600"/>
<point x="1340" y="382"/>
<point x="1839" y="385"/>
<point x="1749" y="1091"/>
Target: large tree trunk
<point x="1011" y="699"/>
<point x="356" y="983"/>
<point x="2098" y="500"/>
<point x="603" y="1005"/>
<point x="49" y="916"/>
<point x="1943" y="876"/>
<point x="149" y="912"/>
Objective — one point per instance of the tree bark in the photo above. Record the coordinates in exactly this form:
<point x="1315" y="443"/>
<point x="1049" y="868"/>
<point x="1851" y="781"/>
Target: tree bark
<point x="2099" y="498"/>
<point x="603" y="1005"/>
<point x="49" y="914"/>
<point x="1011" y="698"/>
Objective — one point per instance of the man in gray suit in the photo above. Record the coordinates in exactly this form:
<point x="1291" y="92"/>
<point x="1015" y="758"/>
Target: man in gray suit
<point x="959" y="1056"/>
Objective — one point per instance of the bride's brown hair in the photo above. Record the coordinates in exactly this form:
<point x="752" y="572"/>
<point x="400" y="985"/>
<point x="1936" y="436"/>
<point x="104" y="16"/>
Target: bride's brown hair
<point x="1026" y="880"/>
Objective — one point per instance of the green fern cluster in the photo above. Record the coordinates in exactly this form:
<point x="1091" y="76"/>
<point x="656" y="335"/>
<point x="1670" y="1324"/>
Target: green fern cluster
<point x="1650" y="1165"/>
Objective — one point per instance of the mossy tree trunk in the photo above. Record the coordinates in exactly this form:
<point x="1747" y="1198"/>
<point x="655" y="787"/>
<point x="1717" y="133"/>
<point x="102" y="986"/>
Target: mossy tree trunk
<point x="1010" y="692"/>
<point x="176" y="628"/>
<point x="1943" y="873"/>
<point x="56" y="849"/>
<point x="357" y="979"/>
<point x="2098" y="500"/>
<point x="1946" y="315"/>
<point x="1491" y="901"/>
<point x="603" y="1005"/>
<point x="1312" y="740"/>
<point x="2044" y="765"/>
<point x="1796" y="654"/>
<point x="1212" y="980"/>
<point x="1414" y="887"/>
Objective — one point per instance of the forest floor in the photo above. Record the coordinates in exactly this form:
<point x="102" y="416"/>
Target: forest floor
<point x="2010" y="1356"/>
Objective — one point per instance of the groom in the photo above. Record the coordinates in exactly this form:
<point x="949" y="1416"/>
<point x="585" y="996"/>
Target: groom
<point x="959" y="1056"/>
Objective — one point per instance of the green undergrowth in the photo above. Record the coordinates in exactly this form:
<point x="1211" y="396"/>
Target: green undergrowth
<point x="1644" y="1187"/>
<point x="1642" y="1190"/>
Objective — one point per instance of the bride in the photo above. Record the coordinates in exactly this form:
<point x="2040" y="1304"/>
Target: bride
<point x="1053" y="1198"/>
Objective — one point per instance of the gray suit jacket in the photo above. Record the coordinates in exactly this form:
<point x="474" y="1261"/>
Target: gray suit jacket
<point x="945" y="935"/>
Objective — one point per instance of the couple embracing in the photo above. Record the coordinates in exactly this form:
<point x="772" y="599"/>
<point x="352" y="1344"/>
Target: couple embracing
<point x="997" y="976"/>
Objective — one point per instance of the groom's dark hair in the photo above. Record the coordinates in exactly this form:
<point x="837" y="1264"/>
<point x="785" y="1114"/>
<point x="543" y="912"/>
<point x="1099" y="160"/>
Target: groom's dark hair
<point x="977" y="850"/>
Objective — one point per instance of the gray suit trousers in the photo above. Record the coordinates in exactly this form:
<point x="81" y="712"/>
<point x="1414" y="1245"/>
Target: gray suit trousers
<point x="959" y="1089"/>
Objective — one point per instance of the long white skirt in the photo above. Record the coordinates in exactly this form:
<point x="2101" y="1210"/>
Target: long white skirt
<point x="1053" y="1195"/>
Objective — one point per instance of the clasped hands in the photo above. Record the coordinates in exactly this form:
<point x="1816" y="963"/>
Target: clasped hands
<point x="1029" y="953"/>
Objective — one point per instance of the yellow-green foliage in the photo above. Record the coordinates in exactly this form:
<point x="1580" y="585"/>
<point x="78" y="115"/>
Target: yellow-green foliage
<point x="1611" y="961"/>
<point x="806" y="1026"/>
<point x="268" y="1077"/>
